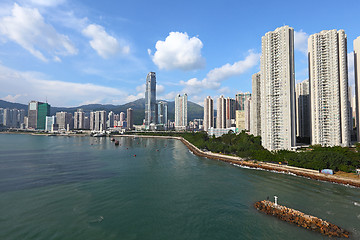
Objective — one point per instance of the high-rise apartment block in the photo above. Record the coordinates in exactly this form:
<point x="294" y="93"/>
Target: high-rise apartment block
<point x="302" y="109"/>
<point x="64" y="120"/>
<point x="329" y="88"/>
<point x="79" y="119"/>
<point x="247" y="110"/>
<point x="150" y="99"/>
<point x="208" y="113"/>
<point x="230" y="112"/>
<point x="98" y="121"/>
<point x="130" y="118"/>
<point x="181" y="112"/>
<point x="255" y="123"/>
<point x="278" y="89"/>
<point x="357" y="83"/>
<point x="240" y="99"/>
<point x="221" y="112"/>
<point x="162" y="113"/>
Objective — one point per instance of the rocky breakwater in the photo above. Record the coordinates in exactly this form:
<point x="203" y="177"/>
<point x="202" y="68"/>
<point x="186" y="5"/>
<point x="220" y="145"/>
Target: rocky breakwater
<point x="301" y="219"/>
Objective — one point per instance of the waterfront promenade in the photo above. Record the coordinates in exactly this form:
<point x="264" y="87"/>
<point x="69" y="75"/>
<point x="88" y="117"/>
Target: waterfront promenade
<point x="237" y="161"/>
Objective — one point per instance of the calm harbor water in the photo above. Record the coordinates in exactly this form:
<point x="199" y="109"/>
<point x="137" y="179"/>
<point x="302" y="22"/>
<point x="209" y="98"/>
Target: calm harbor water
<point x="87" y="188"/>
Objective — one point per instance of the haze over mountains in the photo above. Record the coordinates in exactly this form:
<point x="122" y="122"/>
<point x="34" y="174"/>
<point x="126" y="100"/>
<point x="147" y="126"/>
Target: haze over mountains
<point x="138" y="106"/>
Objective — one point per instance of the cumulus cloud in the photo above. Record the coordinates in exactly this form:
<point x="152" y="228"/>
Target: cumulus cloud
<point x="26" y="86"/>
<point x="351" y="69"/>
<point x="301" y="41"/>
<point x="214" y="78"/>
<point x="178" y="51"/>
<point x="27" y="27"/>
<point x="104" y="44"/>
<point x="11" y="98"/>
<point x="48" y="3"/>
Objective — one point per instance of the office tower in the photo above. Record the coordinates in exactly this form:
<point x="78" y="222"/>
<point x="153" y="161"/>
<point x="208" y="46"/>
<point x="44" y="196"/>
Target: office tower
<point x="150" y="99"/>
<point x="208" y="113"/>
<point x="32" y="114"/>
<point x="64" y="120"/>
<point x="278" y="89"/>
<point x="240" y="99"/>
<point x="247" y="113"/>
<point x="230" y="111"/>
<point x="162" y="112"/>
<point x="329" y="88"/>
<point x="357" y="83"/>
<point x="49" y="122"/>
<point x="130" y="118"/>
<point x="240" y="120"/>
<point x="110" y="121"/>
<point x="221" y="112"/>
<point x="181" y="111"/>
<point x="302" y="109"/>
<point x="43" y="111"/>
<point x="79" y="119"/>
<point x="255" y="123"/>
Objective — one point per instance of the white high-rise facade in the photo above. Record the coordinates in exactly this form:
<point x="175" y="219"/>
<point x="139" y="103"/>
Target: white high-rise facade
<point x="329" y="88"/>
<point x="278" y="116"/>
<point x="181" y="112"/>
<point x="221" y="112"/>
<point x="255" y="112"/>
<point x="79" y="119"/>
<point x="247" y="109"/>
<point x="357" y="83"/>
<point x="303" y="109"/>
<point x="208" y="113"/>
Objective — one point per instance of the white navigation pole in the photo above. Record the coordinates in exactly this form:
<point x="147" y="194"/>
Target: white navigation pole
<point x="276" y="198"/>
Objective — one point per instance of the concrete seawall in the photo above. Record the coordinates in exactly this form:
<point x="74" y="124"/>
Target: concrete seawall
<point x="308" y="173"/>
<point x="301" y="219"/>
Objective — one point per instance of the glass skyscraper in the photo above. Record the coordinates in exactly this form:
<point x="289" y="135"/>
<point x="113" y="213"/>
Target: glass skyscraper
<point x="150" y="99"/>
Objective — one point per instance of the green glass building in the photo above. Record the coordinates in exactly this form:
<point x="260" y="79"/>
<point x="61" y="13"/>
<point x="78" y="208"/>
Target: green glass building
<point x="43" y="111"/>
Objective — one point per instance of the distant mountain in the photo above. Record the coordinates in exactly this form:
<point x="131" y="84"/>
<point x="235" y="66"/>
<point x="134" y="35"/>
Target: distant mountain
<point x="138" y="106"/>
<point x="5" y="104"/>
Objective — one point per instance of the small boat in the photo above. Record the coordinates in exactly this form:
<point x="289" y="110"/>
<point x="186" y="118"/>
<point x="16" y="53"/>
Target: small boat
<point x="99" y="135"/>
<point x="116" y="143"/>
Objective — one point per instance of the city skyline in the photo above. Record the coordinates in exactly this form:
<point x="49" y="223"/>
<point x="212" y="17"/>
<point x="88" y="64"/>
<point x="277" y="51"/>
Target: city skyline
<point x="82" y="52"/>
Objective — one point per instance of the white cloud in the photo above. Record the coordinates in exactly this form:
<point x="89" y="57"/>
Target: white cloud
<point x="178" y="51"/>
<point x="48" y="3"/>
<point x="169" y="96"/>
<point x="301" y="41"/>
<point x="104" y="44"/>
<point x="26" y="86"/>
<point x="11" y="98"/>
<point x="27" y="28"/>
<point x="214" y="78"/>
<point x="351" y="69"/>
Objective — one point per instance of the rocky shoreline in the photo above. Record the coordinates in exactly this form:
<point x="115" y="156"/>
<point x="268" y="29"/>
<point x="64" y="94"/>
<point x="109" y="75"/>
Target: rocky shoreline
<point x="301" y="219"/>
<point x="308" y="173"/>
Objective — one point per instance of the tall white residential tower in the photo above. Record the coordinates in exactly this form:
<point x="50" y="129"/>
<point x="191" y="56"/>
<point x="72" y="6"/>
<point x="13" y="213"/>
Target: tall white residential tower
<point x="329" y="88"/>
<point x="278" y="89"/>
<point x="208" y="113"/>
<point x="255" y="123"/>
<point x="357" y="83"/>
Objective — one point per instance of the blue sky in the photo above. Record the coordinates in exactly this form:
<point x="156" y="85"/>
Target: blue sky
<point x="80" y="52"/>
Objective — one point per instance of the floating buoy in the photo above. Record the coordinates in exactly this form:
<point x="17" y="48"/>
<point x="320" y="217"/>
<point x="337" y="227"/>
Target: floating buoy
<point x="134" y="155"/>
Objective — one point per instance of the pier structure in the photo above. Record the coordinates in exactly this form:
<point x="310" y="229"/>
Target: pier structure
<point x="301" y="219"/>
